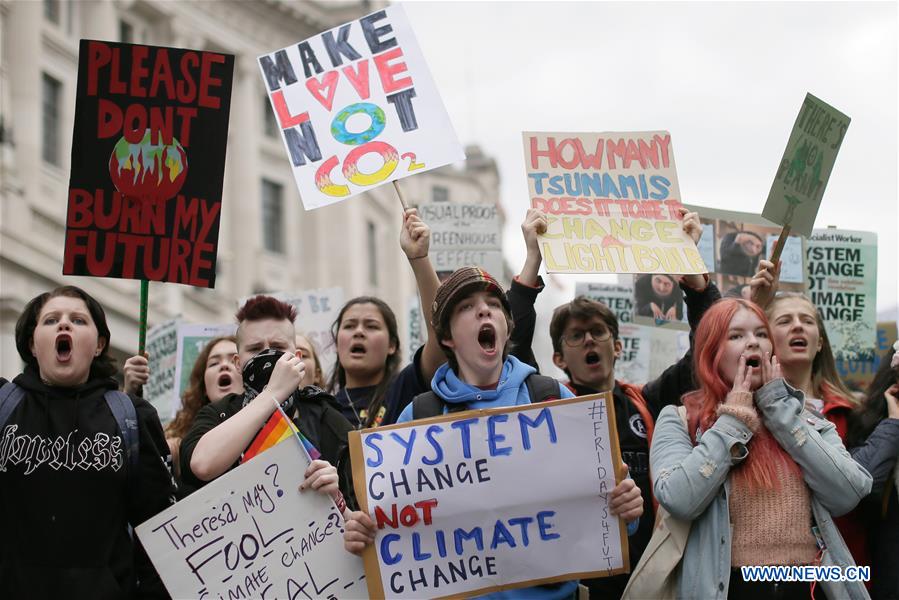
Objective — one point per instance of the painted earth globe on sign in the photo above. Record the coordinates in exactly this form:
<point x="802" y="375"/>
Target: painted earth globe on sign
<point x="146" y="170"/>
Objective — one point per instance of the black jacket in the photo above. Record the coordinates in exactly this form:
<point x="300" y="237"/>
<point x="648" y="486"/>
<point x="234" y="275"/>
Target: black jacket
<point x="318" y="418"/>
<point x="66" y="499"/>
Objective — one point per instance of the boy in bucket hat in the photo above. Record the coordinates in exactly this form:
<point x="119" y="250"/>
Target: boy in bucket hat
<point x="472" y="321"/>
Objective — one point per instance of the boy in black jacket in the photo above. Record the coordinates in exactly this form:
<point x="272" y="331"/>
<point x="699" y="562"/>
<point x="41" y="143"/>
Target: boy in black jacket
<point x="223" y="430"/>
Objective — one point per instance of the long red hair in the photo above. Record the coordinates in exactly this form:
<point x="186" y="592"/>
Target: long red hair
<point x="758" y="469"/>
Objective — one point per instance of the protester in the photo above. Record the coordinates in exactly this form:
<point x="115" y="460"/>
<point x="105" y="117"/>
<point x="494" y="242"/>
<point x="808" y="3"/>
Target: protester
<point x="656" y="295"/>
<point x="803" y="349"/>
<point x="586" y="346"/>
<point x="224" y="429"/>
<point x="80" y="461"/>
<point x="740" y="252"/>
<point x="472" y="321"/>
<point x="214" y="375"/>
<point x="873" y="439"/>
<point x="751" y="468"/>
<point x="367" y="382"/>
<point x="309" y="356"/>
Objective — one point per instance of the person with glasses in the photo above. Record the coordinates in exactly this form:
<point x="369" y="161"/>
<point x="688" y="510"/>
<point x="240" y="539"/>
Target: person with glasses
<point x="586" y="345"/>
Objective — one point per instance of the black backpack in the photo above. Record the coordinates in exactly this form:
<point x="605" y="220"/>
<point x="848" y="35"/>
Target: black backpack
<point x="540" y="389"/>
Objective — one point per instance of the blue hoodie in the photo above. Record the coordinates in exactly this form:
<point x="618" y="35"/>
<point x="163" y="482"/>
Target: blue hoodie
<point x="511" y="391"/>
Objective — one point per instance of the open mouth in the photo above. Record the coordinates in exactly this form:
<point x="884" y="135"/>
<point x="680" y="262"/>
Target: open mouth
<point x="753" y="362"/>
<point x="487" y="338"/>
<point x="592" y="358"/>
<point x="799" y="343"/>
<point x="224" y="380"/>
<point x="357" y="349"/>
<point x="63" y="347"/>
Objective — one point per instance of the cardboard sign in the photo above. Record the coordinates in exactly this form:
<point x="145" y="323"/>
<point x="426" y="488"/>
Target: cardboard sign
<point x="858" y="374"/>
<point x="418" y="331"/>
<point x="148" y="161"/>
<point x="162" y="348"/>
<point x="252" y="534"/>
<point x="610" y="199"/>
<point x="619" y="298"/>
<point x="842" y="283"/>
<point x="357" y="108"/>
<point x="464" y="235"/>
<point x="733" y="243"/>
<point x="475" y="502"/>
<point x="803" y="172"/>
<point x="192" y="338"/>
<point x="316" y="311"/>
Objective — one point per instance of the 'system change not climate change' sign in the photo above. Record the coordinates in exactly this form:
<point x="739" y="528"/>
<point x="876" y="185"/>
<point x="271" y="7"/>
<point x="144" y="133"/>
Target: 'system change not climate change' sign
<point x="357" y="107"/>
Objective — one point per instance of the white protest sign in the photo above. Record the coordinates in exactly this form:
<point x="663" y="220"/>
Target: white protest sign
<point x="464" y="235"/>
<point x="252" y="534"/>
<point x="162" y="349"/>
<point x="808" y="159"/>
<point x="357" y="108"/>
<point x="418" y="333"/>
<point x="476" y="501"/>
<point x="619" y="298"/>
<point x="316" y="311"/>
<point x="842" y="269"/>
<point x="192" y="338"/>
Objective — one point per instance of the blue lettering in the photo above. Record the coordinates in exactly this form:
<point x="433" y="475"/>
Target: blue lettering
<point x="370" y="442"/>
<point x="660" y="183"/>
<point x="501" y="535"/>
<point x="460" y="535"/>
<point x="591" y="183"/>
<point x="538" y="181"/>
<point x="429" y="435"/>
<point x="609" y="184"/>
<point x="463" y="426"/>
<point x="494" y="438"/>
<point x="555" y="185"/>
<point x="417" y="554"/>
<point x="543" y="526"/>
<point x="523" y="522"/>
<point x="441" y="543"/>
<point x="386" y="556"/>
<point x="405" y="444"/>
<point x="545" y="416"/>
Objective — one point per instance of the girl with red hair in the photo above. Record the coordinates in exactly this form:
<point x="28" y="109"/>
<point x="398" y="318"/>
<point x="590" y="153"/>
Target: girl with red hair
<point x="757" y="474"/>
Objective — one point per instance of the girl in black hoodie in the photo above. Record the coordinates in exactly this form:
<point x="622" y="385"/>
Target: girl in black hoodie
<point x="69" y="488"/>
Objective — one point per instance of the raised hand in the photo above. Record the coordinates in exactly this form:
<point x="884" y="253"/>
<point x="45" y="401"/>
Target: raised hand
<point x="359" y="532"/>
<point x="415" y="235"/>
<point x="763" y="284"/>
<point x="136" y="372"/>
<point x="286" y="376"/>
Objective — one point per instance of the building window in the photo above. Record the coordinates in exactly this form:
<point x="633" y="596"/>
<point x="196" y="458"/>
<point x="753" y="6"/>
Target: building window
<point x="268" y="114"/>
<point x="272" y="217"/>
<point x="372" y="254"/>
<point x="52" y="92"/>
<point x="126" y="32"/>
<point x="439" y="194"/>
<point x="52" y="10"/>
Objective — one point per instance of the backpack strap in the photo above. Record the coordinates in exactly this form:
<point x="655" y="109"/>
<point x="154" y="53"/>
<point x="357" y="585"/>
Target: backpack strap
<point x="10" y="397"/>
<point x="542" y="388"/>
<point x="429" y="404"/>
<point x="126" y="418"/>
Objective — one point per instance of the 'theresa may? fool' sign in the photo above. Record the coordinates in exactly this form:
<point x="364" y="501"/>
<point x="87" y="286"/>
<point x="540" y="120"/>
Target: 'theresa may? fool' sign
<point x="357" y="108"/>
<point x="469" y="503"/>
<point x="251" y="533"/>
<point x="611" y="201"/>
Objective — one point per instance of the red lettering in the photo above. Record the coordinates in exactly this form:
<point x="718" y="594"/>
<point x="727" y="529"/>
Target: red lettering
<point x="162" y="74"/>
<point x="131" y="243"/>
<point x="382" y="519"/>
<point x="210" y="212"/>
<point x="80" y="202"/>
<point x="178" y="272"/>
<point x="160" y="124"/>
<point x="186" y="217"/>
<point x="565" y="205"/>
<point x="426" y="506"/>
<point x="109" y="119"/>
<point x="98" y="55"/>
<point x="388" y="72"/>
<point x="328" y="83"/>
<point x="116" y="85"/>
<point x="409" y="515"/>
<point x="359" y="78"/>
<point x="207" y="80"/>
<point x="135" y="123"/>
<point x="96" y="265"/>
<point x="186" y="114"/>
<point x="186" y="87"/>
<point x="107" y="220"/>
<point x="139" y="70"/>
<point x="284" y="117"/>
<point x="74" y="247"/>
<point x="199" y="262"/>
<point x="549" y="153"/>
<point x="130" y="220"/>
<point x="156" y="259"/>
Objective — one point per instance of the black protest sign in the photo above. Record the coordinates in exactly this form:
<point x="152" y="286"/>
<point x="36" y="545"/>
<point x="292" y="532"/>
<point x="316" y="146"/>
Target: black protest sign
<point x="148" y="160"/>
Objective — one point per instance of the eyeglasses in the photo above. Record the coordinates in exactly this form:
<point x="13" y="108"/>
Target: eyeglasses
<point x="576" y="337"/>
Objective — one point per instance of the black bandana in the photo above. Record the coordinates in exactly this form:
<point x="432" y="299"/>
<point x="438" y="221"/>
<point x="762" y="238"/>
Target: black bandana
<point x="256" y="375"/>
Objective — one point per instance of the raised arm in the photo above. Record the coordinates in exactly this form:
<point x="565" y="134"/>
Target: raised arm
<point x="415" y="240"/>
<point x="524" y="290"/>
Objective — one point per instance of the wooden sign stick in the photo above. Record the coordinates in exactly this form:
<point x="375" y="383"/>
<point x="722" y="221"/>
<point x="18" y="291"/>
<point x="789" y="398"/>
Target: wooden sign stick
<point x="399" y="193"/>
<point x="779" y="246"/>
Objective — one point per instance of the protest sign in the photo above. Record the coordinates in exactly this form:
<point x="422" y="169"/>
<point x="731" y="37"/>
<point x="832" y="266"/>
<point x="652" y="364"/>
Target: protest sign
<point x="418" y="333"/>
<point x="668" y="346"/>
<point x="464" y="235"/>
<point x="316" y="311"/>
<point x="162" y="348"/>
<point x="858" y="374"/>
<point x="357" y="107"/>
<point x="842" y="283"/>
<point x="610" y="199"/>
<point x="733" y="243"/>
<point x="251" y="534"/>
<point x="803" y="172"/>
<point x="192" y="338"/>
<point x="148" y="160"/>
<point x="619" y="298"/>
<point x="470" y="502"/>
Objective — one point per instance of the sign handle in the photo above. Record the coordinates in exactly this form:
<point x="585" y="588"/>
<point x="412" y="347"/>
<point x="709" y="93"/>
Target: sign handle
<point x="399" y="193"/>
<point x="142" y="324"/>
<point x="779" y="246"/>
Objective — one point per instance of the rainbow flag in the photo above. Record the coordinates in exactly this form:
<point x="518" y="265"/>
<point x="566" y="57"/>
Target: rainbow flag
<point x="277" y="429"/>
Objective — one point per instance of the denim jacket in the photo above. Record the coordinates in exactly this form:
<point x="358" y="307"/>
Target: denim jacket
<point x="693" y="483"/>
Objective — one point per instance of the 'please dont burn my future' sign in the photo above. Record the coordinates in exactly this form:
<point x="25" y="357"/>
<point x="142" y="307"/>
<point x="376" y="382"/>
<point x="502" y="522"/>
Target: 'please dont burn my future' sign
<point x="148" y="159"/>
